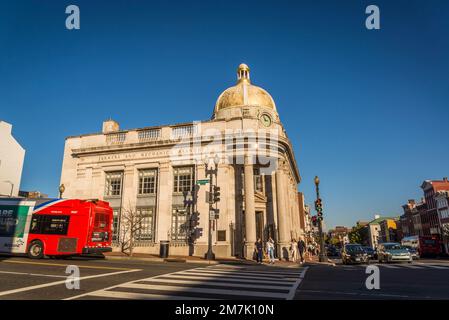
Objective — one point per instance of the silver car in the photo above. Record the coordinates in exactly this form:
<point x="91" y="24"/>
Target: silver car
<point x="393" y="252"/>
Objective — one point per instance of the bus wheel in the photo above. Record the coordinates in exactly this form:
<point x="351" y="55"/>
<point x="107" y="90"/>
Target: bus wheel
<point x="36" y="250"/>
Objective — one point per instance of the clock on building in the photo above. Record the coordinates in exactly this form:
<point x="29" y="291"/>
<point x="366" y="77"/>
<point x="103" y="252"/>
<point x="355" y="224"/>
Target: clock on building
<point x="266" y="120"/>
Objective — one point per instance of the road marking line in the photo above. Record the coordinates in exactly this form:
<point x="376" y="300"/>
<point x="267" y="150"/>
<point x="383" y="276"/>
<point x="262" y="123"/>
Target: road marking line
<point x="236" y="275"/>
<point x="292" y="292"/>
<point x="211" y="277"/>
<point x="248" y="274"/>
<point x="33" y="274"/>
<point x="186" y="290"/>
<point x="215" y="283"/>
<point x="4" y="293"/>
<point x="65" y="265"/>
<point x="255" y="272"/>
<point x="140" y="296"/>
<point x="116" y="286"/>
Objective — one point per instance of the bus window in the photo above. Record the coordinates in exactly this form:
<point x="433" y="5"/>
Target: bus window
<point x="49" y="224"/>
<point x="101" y="221"/>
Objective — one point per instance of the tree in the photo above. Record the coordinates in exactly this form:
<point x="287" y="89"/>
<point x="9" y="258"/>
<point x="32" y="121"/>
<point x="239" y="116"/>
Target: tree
<point x="359" y="234"/>
<point x="131" y="223"/>
<point x="355" y="235"/>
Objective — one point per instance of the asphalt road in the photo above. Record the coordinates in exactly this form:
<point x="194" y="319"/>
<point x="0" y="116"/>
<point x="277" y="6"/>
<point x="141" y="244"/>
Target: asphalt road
<point x="424" y="279"/>
<point x="22" y="278"/>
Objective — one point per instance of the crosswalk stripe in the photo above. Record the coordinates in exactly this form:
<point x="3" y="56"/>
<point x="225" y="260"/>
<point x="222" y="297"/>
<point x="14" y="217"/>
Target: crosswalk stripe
<point x="186" y="290"/>
<point x="231" y="278"/>
<point x="218" y="284"/>
<point x="268" y="273"/>
<point x="140" y="296"/>
<point x="237" y="275"/>
<point x="210" y="282"/>
<point x="248" y="274"/>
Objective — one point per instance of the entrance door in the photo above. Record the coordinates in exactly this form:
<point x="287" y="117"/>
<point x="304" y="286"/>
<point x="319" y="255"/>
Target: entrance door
<point x="259" y="225"/>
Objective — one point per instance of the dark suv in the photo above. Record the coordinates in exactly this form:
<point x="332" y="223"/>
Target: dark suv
<point x="353" y="253"/>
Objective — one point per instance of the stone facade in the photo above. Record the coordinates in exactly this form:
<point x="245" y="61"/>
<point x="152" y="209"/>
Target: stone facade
<point x="12" y="156"/>
<point x="155" y="170"/>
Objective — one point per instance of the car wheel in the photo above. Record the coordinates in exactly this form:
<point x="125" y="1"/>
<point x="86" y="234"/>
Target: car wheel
<point x="36" y="250"/>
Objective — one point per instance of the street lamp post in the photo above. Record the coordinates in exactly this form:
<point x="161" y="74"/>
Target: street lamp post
<point x="61" y="190"/>
<point x="322" y="256"/>
<point x="211" y="172"/>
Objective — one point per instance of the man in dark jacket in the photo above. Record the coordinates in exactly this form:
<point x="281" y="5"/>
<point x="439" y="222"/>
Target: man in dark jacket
<point x="259" y="250"/>
<point x="301" y="249"/>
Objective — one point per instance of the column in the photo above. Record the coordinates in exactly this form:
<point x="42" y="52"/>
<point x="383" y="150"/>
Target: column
<point x="164" y="202"/>
<point x="250" y="213"/>
<point x="284" y="234"/>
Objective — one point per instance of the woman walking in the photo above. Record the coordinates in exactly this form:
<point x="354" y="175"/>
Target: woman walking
<point x="294" y="249"/>
<point x="270" y="250"/>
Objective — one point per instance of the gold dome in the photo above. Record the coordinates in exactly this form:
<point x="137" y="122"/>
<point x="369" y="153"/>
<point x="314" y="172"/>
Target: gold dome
<point x="244" y="93"/>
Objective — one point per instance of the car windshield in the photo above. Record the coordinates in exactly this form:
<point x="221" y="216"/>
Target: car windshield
<point x="354" y="249"/>
<point x="368" y="249"/>
<point x="394" y="247"/>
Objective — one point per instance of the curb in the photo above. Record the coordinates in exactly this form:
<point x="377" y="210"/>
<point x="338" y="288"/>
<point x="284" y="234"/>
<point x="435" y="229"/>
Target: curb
<point x="175" y="260"/>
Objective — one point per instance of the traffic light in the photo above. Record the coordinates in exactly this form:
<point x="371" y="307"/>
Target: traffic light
<point x="217" y="213"/>
<point x="198" y="233"/>
<point x="314" y="221"/>
<point x="194" y="220"/>
<point x="216" y="194"/>
<point x="318" y="205"/>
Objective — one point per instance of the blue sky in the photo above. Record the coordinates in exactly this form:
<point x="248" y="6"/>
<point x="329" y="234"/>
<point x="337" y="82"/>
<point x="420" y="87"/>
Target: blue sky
<point x="367" y="111"/>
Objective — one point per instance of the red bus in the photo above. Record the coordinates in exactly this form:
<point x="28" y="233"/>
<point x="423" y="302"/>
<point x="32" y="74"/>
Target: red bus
<point x="55" y="227"/>
<point x="426" y="245"/>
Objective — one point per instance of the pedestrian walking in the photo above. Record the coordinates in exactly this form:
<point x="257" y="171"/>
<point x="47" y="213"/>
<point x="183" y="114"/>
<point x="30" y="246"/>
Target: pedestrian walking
<point x="270" y="250"/>
<point x="294" y="250"/>
<point x="259" y="250"/>
<point x="301" y="249"/>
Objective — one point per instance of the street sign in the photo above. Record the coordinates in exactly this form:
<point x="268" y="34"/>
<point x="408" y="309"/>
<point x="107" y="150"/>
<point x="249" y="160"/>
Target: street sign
<point x="211" y="215"/>
<point x="202" y="182"/>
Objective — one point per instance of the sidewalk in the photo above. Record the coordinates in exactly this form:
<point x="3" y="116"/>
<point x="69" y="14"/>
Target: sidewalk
<point x="191" y="259"/>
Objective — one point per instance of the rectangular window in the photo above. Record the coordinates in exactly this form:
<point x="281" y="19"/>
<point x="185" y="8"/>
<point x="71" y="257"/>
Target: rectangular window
<point x="115" y="224"/>
<point x="147" y="181"/>
<point x="184" y="131"/>
<point x="49" y="224"/>
<point x="113" y="186"/>
<point x="145" y="228"/>
<point x="183" y="179"/>
<point x="258" y="180"/>
<point x="179" y="226"/>
<point x="149" y="134"/>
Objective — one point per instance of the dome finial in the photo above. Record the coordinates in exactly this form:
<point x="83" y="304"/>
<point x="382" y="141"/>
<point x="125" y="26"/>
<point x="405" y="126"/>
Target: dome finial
<point x="243" y="73"/>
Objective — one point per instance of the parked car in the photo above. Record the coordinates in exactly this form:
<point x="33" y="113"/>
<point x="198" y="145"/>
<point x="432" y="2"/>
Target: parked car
<point x="391" y="252"/>
<point x="414" y="252"/>
<point x="353" y="253"/>
<point x="370" y="252"/>
<point x="332" y="251"/>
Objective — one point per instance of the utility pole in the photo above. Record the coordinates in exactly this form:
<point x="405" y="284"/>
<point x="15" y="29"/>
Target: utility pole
<point x="212" y="198"/>
<point x="319" y="210"/>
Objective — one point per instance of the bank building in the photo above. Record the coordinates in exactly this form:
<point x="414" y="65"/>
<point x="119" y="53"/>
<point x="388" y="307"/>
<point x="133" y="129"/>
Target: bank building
<point x="159" y="173"/>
